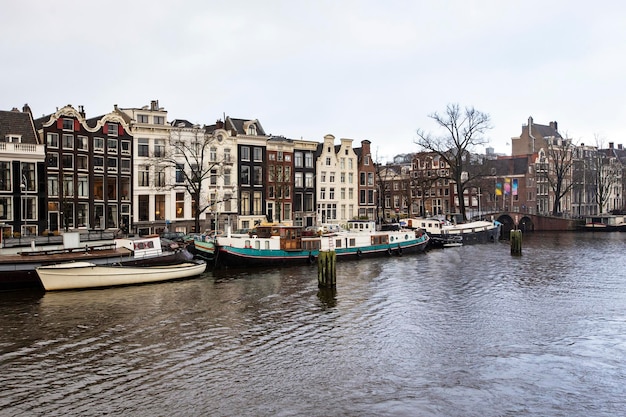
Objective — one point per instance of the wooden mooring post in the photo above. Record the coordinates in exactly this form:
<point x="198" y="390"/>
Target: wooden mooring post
<point x="327" y="269"/>
<point x="516" y="242"/>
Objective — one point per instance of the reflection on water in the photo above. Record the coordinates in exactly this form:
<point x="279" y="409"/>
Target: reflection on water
<point x="468" y="331"/>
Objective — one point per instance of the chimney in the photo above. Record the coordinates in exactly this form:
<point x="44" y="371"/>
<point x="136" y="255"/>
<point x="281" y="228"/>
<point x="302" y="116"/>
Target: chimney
<point x="219" y="124"/>
<point x="154" y="105"/>
<point x="620" y="147"/>
<point x="611" y="145"/>
<point x="554" y="126"/>
<point x="26" y="109"/>
<point x="81" y="111"/>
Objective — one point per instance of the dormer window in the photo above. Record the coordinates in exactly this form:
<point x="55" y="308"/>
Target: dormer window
<point x="111" y="129"/>
<point x="13" y="138"/>
<point x="68" y="124"/>
<point x="252" y="130"/>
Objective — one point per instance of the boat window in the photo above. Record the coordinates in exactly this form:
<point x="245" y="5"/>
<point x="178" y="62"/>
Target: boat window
<point x="247" y="244"/>
<point x="352" y="242"/>
<point x="267" y="244"/>
<point x="257" y="244"/>
<point x="337" y="243"/>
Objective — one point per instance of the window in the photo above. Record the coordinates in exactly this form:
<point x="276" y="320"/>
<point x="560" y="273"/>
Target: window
<point x="213" y="154"/>
<point x="287" y="157"/>
<point x="125" y="188"/>
<point x="180" y="205"/>
<point x="112" y="188"/>
<point x="98" y="144"/>
<point x="159" y="207"/>
<point x="213" y="177"/>
<point x="111" y="129"/>
<point x="252" y="130"/>
<point x="258" y="176"/>
<point x="143" y="147"/>
<point x="328" y="161"/>
<point x="68" y="124"/>
<point x="144" y="206"/>
<point x="5" y="208"/>
<point x="343" y="178"/>
<point x="245" y="153"/>
<point x="112" y="145"/>
<point x="159" y="177"/>
<point x="245" y="203"/>
<point x="98" y="163"/>
<point x="180" y="173"/>
<point x="298" y="179"/>
<point x="52" y="140"/>
<point x="258" y="154"/>
<point x="28" y="176"/>
<point x="125" y="147"/>
<point x="227" y="176"/>
<point x="82" y="214"/>
<point x="52" y="160"/>
<point x="82" y="162"/>
<point x="370" y="178"/>
<point x="143" y="118"/>
<point x="342" y="163"/>
<point x="308" y="160"/>
<point x="227" y="155"/>
<point x="112" y="164"/>
<point x="144" y="176"/>
<point x="53" y="185"/>
<point x="308" y="180"/>
<point x="81" y="143"/>
<point x="125" y="166"/>
<point x="331" y="193"/>
<point x="68" y="141"/>
<point x="67" y="161"/>
<point x="98" y="187"/>
<point x="331" y="177"/>
<point x="362" y="178"/>
<point x="298" y="160"/>
<point x="159" y="148"/>
<point x="245" y="175"/>
<point x="159" y="120"/>
<point x="83" y="186"/>
<point x="257" y="203"/>
<point x="68" y="185"/>
<point x="112" y="219"/>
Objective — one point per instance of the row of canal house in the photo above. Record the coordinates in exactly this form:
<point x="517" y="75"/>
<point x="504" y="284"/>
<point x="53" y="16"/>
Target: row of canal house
<point x="419" y="183"/>
<point x="126" y="170"/>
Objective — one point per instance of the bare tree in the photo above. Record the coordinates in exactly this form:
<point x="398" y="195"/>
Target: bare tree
<point x="463" y="130"/>
<point x="606" y="168"/>
<point x="559" y="168"/>
<point x="194" y="167"/>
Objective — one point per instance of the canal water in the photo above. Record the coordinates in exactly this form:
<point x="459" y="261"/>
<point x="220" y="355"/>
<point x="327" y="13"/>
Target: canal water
<point x="467" y="331"/>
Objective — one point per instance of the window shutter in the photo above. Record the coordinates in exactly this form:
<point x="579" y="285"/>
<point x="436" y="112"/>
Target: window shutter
<point x="120" y="130"/>
<point x="59" y="123"/>
<point x="76" y="125"/>
<point x="105" y="128"/>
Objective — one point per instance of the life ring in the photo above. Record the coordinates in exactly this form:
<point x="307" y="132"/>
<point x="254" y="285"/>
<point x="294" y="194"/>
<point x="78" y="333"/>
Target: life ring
<point x="311" y="258"/>
<point x="359" y="253"/>
<point x="389" y="252"/>
<point x="399" y="252"/>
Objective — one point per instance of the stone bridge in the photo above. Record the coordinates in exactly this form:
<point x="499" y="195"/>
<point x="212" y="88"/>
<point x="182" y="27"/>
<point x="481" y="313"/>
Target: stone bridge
<point x="532" y="222"/>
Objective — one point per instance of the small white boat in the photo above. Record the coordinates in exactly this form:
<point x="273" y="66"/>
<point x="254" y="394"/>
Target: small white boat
<point x="78" y="275"/>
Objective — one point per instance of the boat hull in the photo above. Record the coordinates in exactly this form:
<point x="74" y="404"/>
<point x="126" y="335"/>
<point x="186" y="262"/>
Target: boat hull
<point x="84" y="275"/>
<point x="236" y="257"/>
<point x="19" y="271"/>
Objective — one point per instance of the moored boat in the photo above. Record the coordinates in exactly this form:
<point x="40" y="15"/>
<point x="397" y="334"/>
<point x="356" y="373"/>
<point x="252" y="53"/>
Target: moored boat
<point x="81" y="275"/>
<point x="605" y="223"/>
<point x="18" y="270"/>
<point x="445" y="234"/>
<point x="202" y="247"/>
<point x="280" y="244"/>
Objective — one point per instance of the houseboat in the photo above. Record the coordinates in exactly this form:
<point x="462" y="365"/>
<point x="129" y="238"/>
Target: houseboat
<point x="18" y="270"/>
<point x="281" y="244"/>
<point x="444" y="233"/>
<point x="605" y="223"/>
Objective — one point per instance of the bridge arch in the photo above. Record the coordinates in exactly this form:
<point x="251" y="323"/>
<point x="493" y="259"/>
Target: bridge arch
<point x="526" y="224"/>
<point x="508" y="224"/>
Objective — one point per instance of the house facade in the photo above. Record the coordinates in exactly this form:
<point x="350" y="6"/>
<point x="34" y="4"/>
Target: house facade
<point x="88" y="170"/>
<point x="22" y="176"/>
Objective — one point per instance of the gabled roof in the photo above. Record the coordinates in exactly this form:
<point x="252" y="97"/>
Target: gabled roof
<point x="182" y="123"/>
<point x="15" y="122"/>
<point x="238" y="125"/>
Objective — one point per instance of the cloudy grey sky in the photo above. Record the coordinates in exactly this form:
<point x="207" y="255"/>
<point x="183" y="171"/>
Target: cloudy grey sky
<point x="359" y="69"/>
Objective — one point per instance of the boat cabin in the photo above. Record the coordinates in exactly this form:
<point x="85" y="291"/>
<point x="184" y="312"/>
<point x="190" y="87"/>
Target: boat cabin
<point x="146" y="246"/>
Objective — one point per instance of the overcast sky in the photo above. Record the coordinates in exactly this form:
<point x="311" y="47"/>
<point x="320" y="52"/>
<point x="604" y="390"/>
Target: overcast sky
<point x="358" y="69"/>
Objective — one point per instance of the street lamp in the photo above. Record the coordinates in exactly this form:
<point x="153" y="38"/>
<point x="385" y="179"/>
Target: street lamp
<point x="24" y="188"/>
